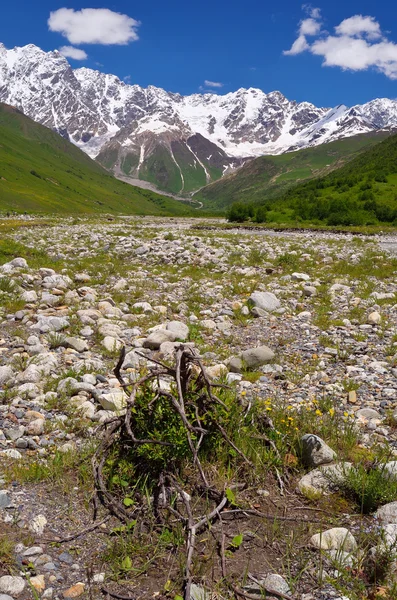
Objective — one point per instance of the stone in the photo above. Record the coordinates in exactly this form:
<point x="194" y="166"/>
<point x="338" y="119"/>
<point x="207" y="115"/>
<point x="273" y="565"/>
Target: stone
<point x="256" y="357"/>
<point x="5" y="499"/>
<point x="180" y="330"/>
<point x="143" y="307"/>
<point x="36" y="427"/>
<point x="265" y="300"/>
<point x="75" y="591"/>
<point x="368" y="414"/>
<point x="216" y="371"/>
<point x="338" y="538"/>
<point x="12" y="585"/>
<point x="111" y="344"/>
<point x="75" y="344"/>
<point x="374" y="318"/>
<point x="352" y="397"/>
<point x="29" y="296"/>
<point x="235" y="365"/>
<point x="390" y="470"/>
<point x="11" y="453"/>
<point x="38" y="582"/>
<point x="271" y="581"/>
<point x="208" y="324"/>
<point x="300" y="277"/>
<point x="156" y="338"/>
<point x="323" y="480"/>
<point x="309" y="291"/>
<point x="38" y="524"/>
<point x="315" y="451"/>
<point x="19" y="263"/>
<point x="6" y="374"/>
<point x="33" y="551"/>
<point x="197" y="592"/>
<point x="115" y="400"/>
<point x="387" y="513"/>
<point x="46" y="324"/>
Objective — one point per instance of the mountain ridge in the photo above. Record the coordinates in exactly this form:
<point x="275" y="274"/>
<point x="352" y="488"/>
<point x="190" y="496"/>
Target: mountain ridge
<point x="95" y="110"/>
<point x="42" y="172"/>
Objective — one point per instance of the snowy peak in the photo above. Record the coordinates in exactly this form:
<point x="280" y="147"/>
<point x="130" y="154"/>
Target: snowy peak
<point x="91" y="108"/>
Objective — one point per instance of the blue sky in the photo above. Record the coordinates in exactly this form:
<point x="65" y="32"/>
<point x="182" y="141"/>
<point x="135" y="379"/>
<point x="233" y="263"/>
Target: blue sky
<point x="237" y="44"/>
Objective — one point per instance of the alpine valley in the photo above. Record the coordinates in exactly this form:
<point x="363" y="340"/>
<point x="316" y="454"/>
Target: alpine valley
<point x="176" y="143"/>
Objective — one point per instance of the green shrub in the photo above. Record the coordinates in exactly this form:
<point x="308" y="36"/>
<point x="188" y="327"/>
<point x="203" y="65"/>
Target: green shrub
<point x="368" y="486"/>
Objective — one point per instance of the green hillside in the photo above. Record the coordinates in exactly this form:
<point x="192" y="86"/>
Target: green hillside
<point x="362" y="192"/>
<point x="42" y="172"/>
<point x="268" y="177"/>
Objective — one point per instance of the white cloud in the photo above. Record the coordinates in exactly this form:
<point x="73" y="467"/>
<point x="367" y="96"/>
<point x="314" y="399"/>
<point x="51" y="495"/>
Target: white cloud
<point x="359" y="26"/>
<point x="310" y="26"/>
<point x="299" y="45"/>
<point x="94" y="26"/>
<point x="357" y="45"/>
<point x="71" y="52"/>
<point x="213" y="84"/>
<point x="127" y="79"/>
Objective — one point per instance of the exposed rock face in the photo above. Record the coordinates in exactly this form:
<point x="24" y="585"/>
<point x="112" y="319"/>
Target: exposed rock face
<point x="179" y="142"/>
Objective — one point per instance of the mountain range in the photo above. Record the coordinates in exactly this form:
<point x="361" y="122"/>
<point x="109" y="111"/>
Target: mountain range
<point x="177" y="143"/>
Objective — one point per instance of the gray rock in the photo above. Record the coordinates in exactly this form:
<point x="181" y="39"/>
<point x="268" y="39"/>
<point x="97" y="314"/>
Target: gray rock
<point x="258" y="312"/>
<point x="46" y="324"/>
<point x="180" y="330"/>
<point x="12" y="585"/>
<point x="300" y="277"/>
<point x="11" y="453"/>
<point x="368" y="413"/>
<point x="309" y="290"/>
<point x="256" y="357"/>
<point x="323" y="480"/>
<point x="155" y="339"/>
<point x="338" y="538"/>
<point x="14" y="433"/>
<point x="5" y="499"/>
<point x="235" y="365"/>
<point x="315" y="451"/>
<point x="33" y="551"/>
<point x="114" y="400"/>
<point x="29" y="296"/>
<point x="111" y="344"/>
<point x="374" y="318"/>
<point x="390" y="470"/>
<point x="6" y="374"/>
<point x="75" y="344"/>
<point x="387" y="513"/>
<point x="265" y="300"/>
<point x="19" y="263"/>
<point x="142" y="250"/>
<point x="271" y="581"/>
<point x="199" y="593"/>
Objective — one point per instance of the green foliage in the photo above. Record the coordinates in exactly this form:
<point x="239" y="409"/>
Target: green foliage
<point x="368" y="486"/>
<point x="42" y="172"/>
<point x="240" y="212"/>
<point x="262" y="179"/>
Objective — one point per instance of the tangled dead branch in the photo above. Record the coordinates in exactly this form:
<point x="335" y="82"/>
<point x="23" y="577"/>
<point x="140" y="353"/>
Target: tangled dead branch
<point x="184" y="396"/>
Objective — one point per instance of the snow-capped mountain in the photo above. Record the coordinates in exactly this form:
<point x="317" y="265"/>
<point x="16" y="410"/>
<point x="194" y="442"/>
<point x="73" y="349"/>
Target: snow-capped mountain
<point x="177" y="142"/>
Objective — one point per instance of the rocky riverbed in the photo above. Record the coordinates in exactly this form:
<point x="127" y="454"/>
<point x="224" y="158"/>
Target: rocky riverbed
<point x="299" y="322"/>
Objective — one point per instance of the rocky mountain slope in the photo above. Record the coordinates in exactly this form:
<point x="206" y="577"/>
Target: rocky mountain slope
<point x="266" y="177"/>
<point x="153" y="134"/>
<point x="42" y="172"/>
